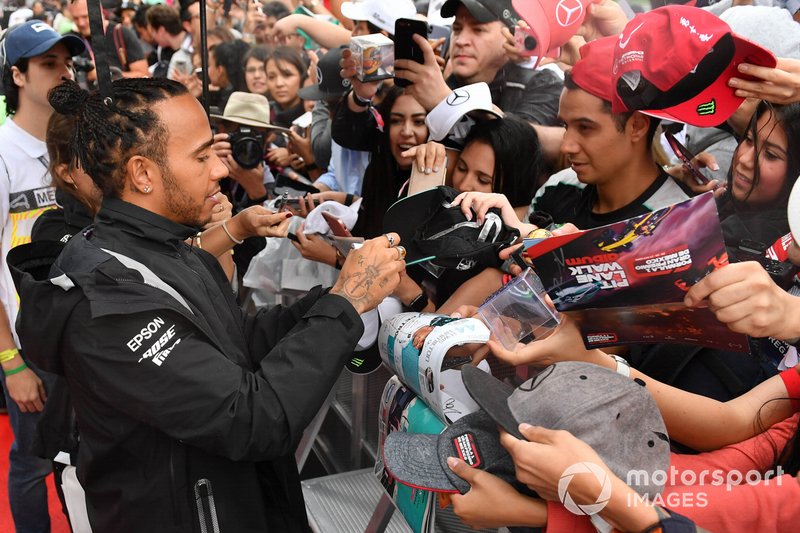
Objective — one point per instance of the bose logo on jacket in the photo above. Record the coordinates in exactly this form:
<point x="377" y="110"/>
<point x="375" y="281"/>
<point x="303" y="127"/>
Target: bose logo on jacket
<point x="158" y="345"/>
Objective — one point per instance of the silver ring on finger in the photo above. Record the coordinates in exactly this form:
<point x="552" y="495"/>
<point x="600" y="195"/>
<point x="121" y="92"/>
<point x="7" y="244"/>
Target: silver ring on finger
<point x="402" y="251"/>
<point x="391" y="240"/>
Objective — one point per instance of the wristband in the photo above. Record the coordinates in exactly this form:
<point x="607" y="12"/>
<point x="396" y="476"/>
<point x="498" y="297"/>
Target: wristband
<point x="791" y="380"/>
<point x="360" y="102"/>
<point x="348" y="199"/>
<point x="419" y="303"/>
<point x="228" y="233"/>
<point x="623" y="367"/>
<point x="17" y="370"/>
<point x="8" y="355"/>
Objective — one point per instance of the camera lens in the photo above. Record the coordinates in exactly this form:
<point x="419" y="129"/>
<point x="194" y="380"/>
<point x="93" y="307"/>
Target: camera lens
<point x="247" y="148"/>
<point x="530" y="43"/>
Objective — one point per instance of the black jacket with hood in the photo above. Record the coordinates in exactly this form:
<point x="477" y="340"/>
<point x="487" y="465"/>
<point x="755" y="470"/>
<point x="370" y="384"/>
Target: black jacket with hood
<point x="189" y="410"/>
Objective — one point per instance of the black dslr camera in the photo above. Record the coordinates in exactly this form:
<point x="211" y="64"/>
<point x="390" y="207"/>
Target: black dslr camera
<point x="781" y="272"/>
<point x="247" y="146"/>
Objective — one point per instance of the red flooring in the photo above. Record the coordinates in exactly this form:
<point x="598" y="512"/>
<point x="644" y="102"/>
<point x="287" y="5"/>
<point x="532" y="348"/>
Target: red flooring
<point x="57" y="520"/>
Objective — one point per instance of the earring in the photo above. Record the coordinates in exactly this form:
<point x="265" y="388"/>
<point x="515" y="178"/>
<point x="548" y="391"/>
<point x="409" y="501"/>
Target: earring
<point x="146" y="189"/>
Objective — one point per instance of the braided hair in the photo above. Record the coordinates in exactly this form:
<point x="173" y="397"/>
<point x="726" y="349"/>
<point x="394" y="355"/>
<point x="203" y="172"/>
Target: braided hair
<point x="107" y="135"/>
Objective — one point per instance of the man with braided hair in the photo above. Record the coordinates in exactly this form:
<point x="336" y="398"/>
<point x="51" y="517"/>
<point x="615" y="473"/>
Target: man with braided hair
<point x="34" y="60"/>
<point x="188" y="409"/>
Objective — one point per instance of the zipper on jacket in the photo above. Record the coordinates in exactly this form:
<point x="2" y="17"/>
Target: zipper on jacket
<point x="206" y="509"/>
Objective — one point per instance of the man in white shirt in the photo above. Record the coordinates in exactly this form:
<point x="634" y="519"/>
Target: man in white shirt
<point x="34" y="60"/>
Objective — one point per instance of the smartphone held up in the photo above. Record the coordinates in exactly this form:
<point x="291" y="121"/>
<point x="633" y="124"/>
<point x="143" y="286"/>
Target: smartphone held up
<point x="686" y="157"/>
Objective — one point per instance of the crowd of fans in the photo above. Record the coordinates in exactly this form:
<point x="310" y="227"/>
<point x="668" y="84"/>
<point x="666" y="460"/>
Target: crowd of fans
<point x="185" y="206"/>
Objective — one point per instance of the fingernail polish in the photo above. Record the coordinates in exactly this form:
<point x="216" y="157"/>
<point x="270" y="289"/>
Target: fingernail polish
<point x="436" y="169"/>
<point x="428" y="170"/>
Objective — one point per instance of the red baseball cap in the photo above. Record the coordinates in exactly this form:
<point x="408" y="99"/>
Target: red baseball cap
<point x="552" y="22"/>
<point x="674" y="63"/>
<point x="592" y="72"/>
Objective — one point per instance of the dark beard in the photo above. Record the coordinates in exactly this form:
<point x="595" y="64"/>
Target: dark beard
<point x="179" y="204"/>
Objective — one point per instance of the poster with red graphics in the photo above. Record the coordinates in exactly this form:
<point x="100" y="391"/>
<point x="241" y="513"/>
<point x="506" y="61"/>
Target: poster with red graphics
<point x="624" y="283"/>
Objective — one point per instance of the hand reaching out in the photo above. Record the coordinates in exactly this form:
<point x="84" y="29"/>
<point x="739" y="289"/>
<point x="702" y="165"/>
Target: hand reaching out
<point x="779" y="85"/>
<point x="492" y="502"/>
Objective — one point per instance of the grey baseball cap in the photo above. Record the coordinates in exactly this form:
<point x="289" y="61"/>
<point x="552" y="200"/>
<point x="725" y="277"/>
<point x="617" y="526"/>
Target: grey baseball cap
<point x="615" y="415"/>
<point x="420" y="461"/>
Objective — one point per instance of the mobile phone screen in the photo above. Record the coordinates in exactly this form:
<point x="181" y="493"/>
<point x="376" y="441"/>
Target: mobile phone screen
<point x="686" y="158"/>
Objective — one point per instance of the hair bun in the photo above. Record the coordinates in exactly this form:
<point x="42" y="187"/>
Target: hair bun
<point x="68" y="98"/>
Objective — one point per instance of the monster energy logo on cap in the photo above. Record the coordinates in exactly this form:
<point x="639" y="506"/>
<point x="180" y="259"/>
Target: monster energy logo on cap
<point x="708" y="108"/>
<point x="356" y="362"/>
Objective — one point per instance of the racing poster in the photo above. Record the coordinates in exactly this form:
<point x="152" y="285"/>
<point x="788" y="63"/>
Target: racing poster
<point x="625" y="282"/>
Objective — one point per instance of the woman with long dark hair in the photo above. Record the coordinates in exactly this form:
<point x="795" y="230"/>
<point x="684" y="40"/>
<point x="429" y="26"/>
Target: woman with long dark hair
<point x="764" y="168"/>
<point x="226" y="69"/>
<point x="403" y="128"/>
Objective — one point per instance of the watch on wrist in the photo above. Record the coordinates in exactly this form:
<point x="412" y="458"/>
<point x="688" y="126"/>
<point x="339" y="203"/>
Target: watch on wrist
<point x="623" y="367"/>
<point x="419" y="303"/>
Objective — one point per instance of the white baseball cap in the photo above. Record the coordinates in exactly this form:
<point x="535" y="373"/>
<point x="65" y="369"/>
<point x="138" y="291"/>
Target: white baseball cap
<point x="20" y="16"/>
<point x="449" y="112"/>
<point x="381" y="13"/>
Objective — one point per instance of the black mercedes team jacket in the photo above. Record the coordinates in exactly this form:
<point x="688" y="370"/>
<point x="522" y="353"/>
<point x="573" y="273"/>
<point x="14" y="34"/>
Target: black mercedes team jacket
<point x="188" y="409"/>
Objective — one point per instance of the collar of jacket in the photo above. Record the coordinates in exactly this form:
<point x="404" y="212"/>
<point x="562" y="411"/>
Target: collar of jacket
<point x="138" y="222"/>
<point x="76" y="215"/>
